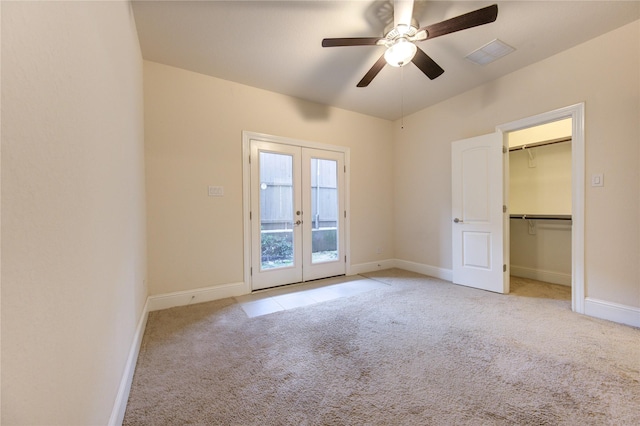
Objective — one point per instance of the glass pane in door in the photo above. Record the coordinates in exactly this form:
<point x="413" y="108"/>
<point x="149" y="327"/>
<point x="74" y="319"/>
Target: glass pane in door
<point x="324" y="210"/>
<point x="276" y="210"/>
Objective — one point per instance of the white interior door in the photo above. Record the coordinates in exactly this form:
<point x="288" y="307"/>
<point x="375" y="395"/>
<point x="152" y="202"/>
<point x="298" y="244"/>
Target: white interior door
<point x="297" y="214"/>
<point x="477" y="213"/>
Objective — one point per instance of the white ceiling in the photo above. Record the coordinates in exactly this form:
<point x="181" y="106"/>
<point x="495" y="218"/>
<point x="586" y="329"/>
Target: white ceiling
<point x="275" y="45"/>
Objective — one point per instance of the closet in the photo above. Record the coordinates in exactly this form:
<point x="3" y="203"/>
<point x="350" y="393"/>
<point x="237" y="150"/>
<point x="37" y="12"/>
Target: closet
<point x="540" y="202"/>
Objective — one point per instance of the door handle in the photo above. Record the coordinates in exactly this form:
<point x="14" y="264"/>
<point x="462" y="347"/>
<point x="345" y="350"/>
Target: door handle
<point x="298" y="222"/>
<point x="456" y="220"/>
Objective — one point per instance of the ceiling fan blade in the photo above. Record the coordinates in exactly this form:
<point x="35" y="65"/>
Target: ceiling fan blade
<point x="427" y="65"/>
<point x="468" y="20"/>
<point x="350" y="41"/>
<point x="402" y="12"/>
<point x="375" y="69"/>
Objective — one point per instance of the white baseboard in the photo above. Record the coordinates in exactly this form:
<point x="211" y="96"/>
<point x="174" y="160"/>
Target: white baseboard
<point x="612" y="311"/>
<point x="363" y="268"/>
<point x="199" y="295"/>
<point x="421" y="268"/>
<point x="541" y="275"/>
<point x="120" y="404"/>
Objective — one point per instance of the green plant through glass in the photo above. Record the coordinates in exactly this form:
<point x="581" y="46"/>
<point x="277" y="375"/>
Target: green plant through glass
<point x="277" y="249"/>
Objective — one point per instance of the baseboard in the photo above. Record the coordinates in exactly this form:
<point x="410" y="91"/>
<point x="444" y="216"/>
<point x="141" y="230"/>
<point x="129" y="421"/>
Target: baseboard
<point x="421" y="268"/>
<point x="363" y="268"/>
<point x="199" y="295"/>
<point x="120" y="404"/>
<point x="447" y="274"/>
<point x="615" y="312"/>
<point x="541" y="275"/>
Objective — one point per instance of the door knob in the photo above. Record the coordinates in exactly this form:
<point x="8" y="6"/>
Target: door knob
<point x="298" y="212"/>
<point x="456" y="220"/>
<point x="298" y="222"/>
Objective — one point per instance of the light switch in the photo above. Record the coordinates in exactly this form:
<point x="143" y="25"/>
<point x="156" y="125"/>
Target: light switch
<point x="216" y="191"/>
<point x="597" y="179"/>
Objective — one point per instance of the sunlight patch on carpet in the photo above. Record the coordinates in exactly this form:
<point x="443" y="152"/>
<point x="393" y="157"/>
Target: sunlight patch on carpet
<point x="291" y="297"/>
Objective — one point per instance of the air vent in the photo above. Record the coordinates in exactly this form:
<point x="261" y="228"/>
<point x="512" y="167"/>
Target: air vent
<point x="491" y="51"/>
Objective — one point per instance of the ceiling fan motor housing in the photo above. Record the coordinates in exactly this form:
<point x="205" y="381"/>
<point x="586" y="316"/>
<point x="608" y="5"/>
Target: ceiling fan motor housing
<point x="392" y="32"/>
<point x="399" y="43"/>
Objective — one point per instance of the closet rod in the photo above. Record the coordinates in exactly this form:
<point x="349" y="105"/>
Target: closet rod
<point x="541" y="216"/>
<point x="537" y="144"/>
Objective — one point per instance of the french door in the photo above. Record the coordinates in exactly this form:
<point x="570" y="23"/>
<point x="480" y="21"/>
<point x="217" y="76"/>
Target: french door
<point x="297" y="214"/>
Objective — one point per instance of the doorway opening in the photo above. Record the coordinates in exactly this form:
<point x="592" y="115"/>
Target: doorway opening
<point x="540" y="202"/>
<point x="548" y="228"/>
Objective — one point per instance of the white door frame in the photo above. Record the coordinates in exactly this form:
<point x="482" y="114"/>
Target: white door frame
<point x="247" y="137"/>
<point x="576" y="113"/>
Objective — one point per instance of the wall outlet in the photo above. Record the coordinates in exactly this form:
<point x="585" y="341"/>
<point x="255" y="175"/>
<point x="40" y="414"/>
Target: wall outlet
<point x="216" y="191"/>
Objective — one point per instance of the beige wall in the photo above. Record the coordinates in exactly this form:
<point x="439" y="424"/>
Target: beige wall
<point x="542" y="133"/>
<point x="544" y="188"/>
<point x="73" y="214"/>
<point x="543" y="255"/>
<point x="193" y="138"/>
<point x="609" y="84"/>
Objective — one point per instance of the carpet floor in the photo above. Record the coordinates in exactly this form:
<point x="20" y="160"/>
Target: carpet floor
<point x="418" y="351"/>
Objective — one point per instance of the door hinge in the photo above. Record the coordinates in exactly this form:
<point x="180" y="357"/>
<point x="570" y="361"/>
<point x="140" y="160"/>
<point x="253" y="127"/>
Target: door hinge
<point x="504" y="268"/>
<point x="504" y="209"/>
<point x="345" y="259"/>
<point x="250" y="216"/>
<point x="345" y="169"/>
<point x="251" y="271"/>
<point x="345" y="214"/>
<point x="249" y="159"/>
<point x="504" y="149"/>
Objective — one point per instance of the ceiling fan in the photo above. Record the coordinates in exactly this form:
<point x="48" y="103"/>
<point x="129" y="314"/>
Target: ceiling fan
<point x="404" y="32"/>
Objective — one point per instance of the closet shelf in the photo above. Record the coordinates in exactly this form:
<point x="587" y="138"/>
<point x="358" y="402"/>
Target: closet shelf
<point x="541" y="216"/>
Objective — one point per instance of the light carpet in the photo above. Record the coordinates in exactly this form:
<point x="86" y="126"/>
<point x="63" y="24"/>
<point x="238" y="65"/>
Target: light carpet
<point x="420" y="351"/>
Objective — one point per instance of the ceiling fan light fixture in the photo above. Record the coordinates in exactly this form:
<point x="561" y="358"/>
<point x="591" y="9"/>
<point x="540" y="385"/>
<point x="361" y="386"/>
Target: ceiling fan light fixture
<point x="400" y="53"/>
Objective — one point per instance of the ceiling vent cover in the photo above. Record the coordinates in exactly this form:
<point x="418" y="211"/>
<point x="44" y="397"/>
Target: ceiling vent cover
<point x="491" y="51"/>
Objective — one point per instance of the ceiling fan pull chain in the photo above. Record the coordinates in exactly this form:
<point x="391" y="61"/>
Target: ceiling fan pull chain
<point x="401" y="97"/>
